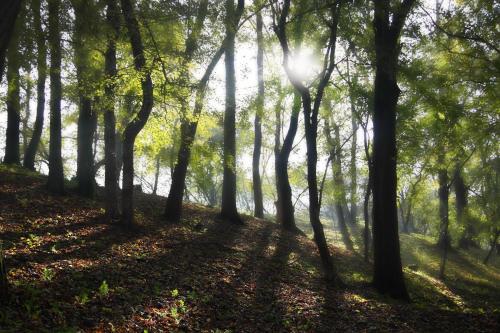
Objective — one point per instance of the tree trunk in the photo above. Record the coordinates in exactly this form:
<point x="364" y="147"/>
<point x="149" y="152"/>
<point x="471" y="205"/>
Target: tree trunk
<point x="135" y="126"/>
<point x="285" y="209"/>
<point x="25" y="120"/>
<point x="494" y="243"/>
<point x="10" y="11"/>
<point x="173" y="208"/>
<point x="352" y="169"/>
<point x="86" y="117"/>
<point x="388" y="272"/>
<point x="12" y="155"/>
<point x="55" y="181"/>
<point x="339" y="186"/>
<point x="157" y="173"/>
<point x="461" y="201"/>
<point x="257" y="183"/>
<point x="444" y="239"/>
<point x="30" y="153"/>
<point x="228" y="206"/>
<point x="110" y="168"/>
<point x="366" y="216"/>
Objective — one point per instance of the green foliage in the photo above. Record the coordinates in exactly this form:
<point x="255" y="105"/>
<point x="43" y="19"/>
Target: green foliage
<point x="103" y="289"/>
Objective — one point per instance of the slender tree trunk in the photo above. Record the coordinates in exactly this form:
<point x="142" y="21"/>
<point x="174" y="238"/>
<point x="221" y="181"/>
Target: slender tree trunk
<point x="12" y="155"/>
<point x="30" y="153"/>
<point x="10" y="11"/>
<point x="340" y="201"/>
<point x="135" y="126"/>
<point x="388" y="272"/>
<point x="257" y="183"/>
<point x="228" y="206"/>
<point x="353" y="197"/>
<point x="369" y="185"/>
<point x="284" y="206"/>
<point x="110" y="167"/>
<point x="461" y="201"/>
<point x="55" y="181"/>
<point x="173" y="208"/>
<point x="285" y="209"/>
<point x="444" y="238"/>
<point x="157" y="173"/>
<point x="27" y="115"/>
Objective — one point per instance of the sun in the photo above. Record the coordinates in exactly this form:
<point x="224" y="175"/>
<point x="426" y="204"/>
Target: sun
<point x="304" y="64"/>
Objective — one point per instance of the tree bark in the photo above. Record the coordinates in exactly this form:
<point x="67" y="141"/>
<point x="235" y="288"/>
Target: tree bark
<point x="257" y="183"/>
<point x="461" y="202"/>
<point x="157" y="173"/>
<point x="228" y="206"/>
<point x="285" y="209"/>
<point x="388" y="273"/>
<point x="135" y="126"/>
<point x="41" y="60"/>
<point x="55" y="181"/>
<point x="10" y="11"/>
<point x="12" y="155"/>
<point x="87" y="119"/>
<point x="110" y="168"/>
<point x="311" y="111"/>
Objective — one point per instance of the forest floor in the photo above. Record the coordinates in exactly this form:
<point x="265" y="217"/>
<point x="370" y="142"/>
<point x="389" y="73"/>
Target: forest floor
<point x="69" y="272"/>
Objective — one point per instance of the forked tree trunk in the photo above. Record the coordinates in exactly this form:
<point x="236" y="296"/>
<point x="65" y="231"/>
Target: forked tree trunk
<point x="41" y="60"/>
<point x="135" y="126"/>
<point x="110" y="168"/>
<point x="55" y="181"/>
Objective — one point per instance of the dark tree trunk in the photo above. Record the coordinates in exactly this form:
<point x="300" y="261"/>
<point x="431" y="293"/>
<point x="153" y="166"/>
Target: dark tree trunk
<point x="368" y="191"/>
<point x="55" y="181"/>
<point x="352" y="169"/>
<point x="311" y="127"/>
<point x="257" y="183"/>
<point x="10" y="11"/>
<point x="12" y="155"/>
<point x="388" y="272"/>
<point x="285" y="209"/>
<point x="461" y="201"/>
<point x="41" y="60"/>
<point x="27" y="113"/>
<point x="173" y="208"/>
<point x="444" y="238"/>
<point x="135" y="126"/>
<point x="110" y="168"/>
<point x="228" y="206"/>
<point x="86" y="117"/>
<point x="284" y="205"/>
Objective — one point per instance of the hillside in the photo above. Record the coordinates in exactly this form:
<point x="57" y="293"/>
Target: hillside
<point x="70" y="271"/>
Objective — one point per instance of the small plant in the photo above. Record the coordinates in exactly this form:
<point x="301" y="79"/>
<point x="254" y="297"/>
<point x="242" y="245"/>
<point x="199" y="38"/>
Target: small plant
<point x="48" y="274"/>
<point x="174" y="293"/>
<point x="32" y="240"/>
<point x="83" y="298"/>
<point x="103" y="289"/>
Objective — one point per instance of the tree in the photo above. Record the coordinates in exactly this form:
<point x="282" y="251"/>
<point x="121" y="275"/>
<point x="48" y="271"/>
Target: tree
<point x="388" y="23"/>
<point x="87" y="117"/>
<point x="12" y="155"/>
<point x="10" y="11"/>
<point x="135" y="126"/>
<point x="110" y="70"/>
<point x="228" y="205"/>
<point x="30" y="153"/>
<point x="55" y="181"/>
<point x="310" y="108"/>
<point x="257" y="183"/>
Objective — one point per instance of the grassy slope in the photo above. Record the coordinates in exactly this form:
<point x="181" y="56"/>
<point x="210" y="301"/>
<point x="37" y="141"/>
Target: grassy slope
<point x="207" y="275"/>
